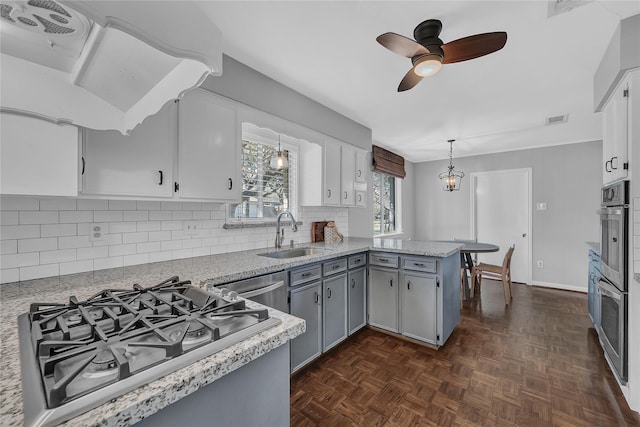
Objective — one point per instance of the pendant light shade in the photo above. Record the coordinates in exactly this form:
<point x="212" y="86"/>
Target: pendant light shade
<point x="451" y="178"/>
<point x="279" y="161"/>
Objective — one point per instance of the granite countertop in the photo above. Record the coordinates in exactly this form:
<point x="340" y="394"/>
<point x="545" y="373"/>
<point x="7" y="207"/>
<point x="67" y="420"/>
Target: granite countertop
<point x="15" y="299"/>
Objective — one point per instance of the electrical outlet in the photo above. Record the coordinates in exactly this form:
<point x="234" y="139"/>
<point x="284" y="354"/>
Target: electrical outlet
<point x="191" y="227"/>
<point x="98" y="232"/>
<point x="540" y="264"/>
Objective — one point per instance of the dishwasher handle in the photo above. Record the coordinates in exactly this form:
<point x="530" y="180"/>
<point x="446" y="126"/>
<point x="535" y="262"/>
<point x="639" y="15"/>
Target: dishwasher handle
<point x="263" y="290"/>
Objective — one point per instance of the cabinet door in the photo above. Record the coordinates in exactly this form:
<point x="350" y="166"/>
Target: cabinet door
<point x="383" y="299"/>
<point x="139" y="164"/>
<point x="334" y="325"/>
<point x="361" y="166"/>
<point x="419" y="307"/>
<point x="331" y="172"/>
<point x="305" y="303"/>
<point x="37" y="157"/>
<point x="357" y="299"/>
<point x="347" y="175"/>
<point x="615" y="134"/>
<point x="209" y="148"/>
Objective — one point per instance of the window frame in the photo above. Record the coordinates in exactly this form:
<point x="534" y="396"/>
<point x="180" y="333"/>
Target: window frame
<point x="397" y="210"/>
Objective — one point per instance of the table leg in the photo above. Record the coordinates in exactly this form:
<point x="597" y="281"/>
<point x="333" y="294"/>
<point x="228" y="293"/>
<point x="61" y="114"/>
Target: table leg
<point x="467" y="263"/>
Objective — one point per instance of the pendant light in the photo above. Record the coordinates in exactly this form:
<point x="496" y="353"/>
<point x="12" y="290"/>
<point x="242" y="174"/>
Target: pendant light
<point x="279" y="162"/>
<point x="451" y="178"/>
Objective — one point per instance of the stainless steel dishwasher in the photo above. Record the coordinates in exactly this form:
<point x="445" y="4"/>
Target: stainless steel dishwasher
<point x="269" y="290"/>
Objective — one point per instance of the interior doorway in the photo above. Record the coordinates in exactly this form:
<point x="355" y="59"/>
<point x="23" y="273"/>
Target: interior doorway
<point x="501" y="214"/>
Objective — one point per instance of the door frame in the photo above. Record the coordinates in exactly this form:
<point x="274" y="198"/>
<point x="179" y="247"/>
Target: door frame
<point x="474" y="220"/>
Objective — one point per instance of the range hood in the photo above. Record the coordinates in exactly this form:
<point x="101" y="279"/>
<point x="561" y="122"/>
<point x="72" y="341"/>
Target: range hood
<point x="103" y="64"/>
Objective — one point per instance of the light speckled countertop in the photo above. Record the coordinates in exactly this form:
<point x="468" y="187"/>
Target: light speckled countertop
<point x="15" y="299"/>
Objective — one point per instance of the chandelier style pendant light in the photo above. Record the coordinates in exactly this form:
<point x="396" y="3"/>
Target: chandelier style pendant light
<point x="451" y="178"/>
<point x="279" y="162"/>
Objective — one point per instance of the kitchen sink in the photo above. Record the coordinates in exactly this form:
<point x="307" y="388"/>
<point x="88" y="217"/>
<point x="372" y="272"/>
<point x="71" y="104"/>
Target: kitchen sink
<point x="296" y="252"/>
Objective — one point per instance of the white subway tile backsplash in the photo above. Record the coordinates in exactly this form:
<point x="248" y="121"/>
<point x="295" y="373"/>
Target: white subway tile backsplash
<point x="10" y="203"/>
<point x="63" y="255"/>
<point x="56" y="240"/>
<point x="38" y="217"/>
<point x="36" y="272"/>
<point x="37" y="245"/>
<point x="58" y="204"/>
<point x="74" y="217"/>
<point x="107" y="216"/>
<point x="57" y="230"/>
<point x="9" y="218"/>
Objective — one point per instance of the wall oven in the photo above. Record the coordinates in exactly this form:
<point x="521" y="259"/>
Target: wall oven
<point x="612" y="285"/>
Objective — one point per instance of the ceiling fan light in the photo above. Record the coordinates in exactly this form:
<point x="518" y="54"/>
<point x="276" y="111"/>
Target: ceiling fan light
<point x="427" y="65"/>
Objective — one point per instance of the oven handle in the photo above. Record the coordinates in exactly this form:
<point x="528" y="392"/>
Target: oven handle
<point x="609" y="290"/>
<point x="261" y="291"/>
<point x="611" y="211"/>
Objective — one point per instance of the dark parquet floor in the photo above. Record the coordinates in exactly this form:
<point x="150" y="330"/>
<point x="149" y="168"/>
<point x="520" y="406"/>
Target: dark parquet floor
<point x="535" y="363"/>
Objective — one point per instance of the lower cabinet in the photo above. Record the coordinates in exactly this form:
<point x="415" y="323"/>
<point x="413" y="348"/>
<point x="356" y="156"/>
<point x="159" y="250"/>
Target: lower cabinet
<point x="305" y="303"/>
<point x="334" y="311"/>
<point x="383" y="298"/>
<point x="357" y="283"/>
<point x="418" y="302"/>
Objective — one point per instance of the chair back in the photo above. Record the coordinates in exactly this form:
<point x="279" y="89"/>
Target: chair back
<point x="506" y="263"/>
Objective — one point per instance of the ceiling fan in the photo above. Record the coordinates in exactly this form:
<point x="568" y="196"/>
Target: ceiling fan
<point x="428" y="52"/>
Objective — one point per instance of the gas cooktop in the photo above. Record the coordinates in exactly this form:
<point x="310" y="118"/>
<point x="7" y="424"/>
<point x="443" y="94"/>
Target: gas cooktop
<point x="79" y="355"/>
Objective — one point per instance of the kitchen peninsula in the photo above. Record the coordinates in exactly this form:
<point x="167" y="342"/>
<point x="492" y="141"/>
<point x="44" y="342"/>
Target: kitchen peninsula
<point x="151" y="398"/>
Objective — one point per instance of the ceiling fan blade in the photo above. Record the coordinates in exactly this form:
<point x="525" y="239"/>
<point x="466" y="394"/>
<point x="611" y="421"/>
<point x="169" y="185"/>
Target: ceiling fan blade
<point x="410" y="80"/>
<point x="401" y="45"/>
<point x="473" y="47"/>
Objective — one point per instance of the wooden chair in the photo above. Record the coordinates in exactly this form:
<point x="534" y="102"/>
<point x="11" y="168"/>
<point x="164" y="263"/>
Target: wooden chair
<point x="500" y="272"/>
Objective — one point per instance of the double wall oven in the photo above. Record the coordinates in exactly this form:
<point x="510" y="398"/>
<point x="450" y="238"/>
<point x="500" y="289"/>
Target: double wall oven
<point x="613" y="282"/>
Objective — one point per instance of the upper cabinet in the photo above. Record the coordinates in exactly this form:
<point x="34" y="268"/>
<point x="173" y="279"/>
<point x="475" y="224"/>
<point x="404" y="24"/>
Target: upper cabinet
<point x="37" y="157"/>
<point x="140" y="164"/>
<point x="73" y="51"/>
<point x="332" y="170"/>
<point x="616" y="129"/>
<point x="348" y="175"/>
<point x="209" y="148"/>
<point x="361" y="166"/>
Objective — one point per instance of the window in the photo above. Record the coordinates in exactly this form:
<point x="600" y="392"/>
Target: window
<point x="265" y="191"/>
<point x="384" y="204"/>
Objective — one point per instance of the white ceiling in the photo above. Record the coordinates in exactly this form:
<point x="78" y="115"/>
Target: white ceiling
<point x="327" y="51"/>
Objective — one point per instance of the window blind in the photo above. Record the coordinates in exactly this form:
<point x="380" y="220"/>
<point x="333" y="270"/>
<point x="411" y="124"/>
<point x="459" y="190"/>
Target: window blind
<point x="387" y="162"/>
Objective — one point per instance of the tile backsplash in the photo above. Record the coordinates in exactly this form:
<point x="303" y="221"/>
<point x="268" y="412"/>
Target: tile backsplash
<point x="50" y="236"/>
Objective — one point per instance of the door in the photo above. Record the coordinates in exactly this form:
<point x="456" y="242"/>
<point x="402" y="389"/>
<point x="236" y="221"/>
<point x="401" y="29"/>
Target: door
<point x="357" y="299"/>
<point x="383" y="298"/>
<point x="419" y="306"/>
<point x="334" y="327"/>
<point x="306" y="304"/>
<point x="501" y="206"/>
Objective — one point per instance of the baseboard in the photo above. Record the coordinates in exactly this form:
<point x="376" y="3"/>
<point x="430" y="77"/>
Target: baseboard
<point x="560" y="286"/>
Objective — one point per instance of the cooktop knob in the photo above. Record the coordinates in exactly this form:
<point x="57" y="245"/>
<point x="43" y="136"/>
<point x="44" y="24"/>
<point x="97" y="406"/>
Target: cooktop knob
<point x="233" y="296"/>
<point x="224" y="292"/>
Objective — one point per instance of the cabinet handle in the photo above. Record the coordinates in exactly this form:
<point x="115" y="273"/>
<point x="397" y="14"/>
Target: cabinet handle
<point x="359" y="173"/>
<point x="419" y="264"/>
<point x="345" y="195"/>
<point x="315" y="297"/>
<point x="336" y="266"/>
<point x="383" y="260"/>
<point x="611" y="162"/>
<point x="409" y="284"/>
<point x="391" y="282"/>
<point x="357" y="261"/>
<point x="83" y="164"/>
<point x="606" y="168"/>
<point x="329" y="193"/>
<point x="353" y="283"/>
<point x="359" y="197"/>
<point x="306" y="274"/>
<point x="328" y="292"/>
<point x="161" y="177"/>
<point x="230" y="183"/>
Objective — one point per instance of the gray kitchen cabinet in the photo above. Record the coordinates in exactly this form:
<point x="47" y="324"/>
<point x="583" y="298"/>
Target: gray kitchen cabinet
<point x="383" y="298"/>
<point x="615" y="133"/>
<point x="306" y="303"/>
<point x="593" y="302"/>
<point x="209" y="148"/>
<point x="334" y="310"/>
<point x="357" y="282"/>
<point x="138" y="164"/>
<point x="419" y="306"/>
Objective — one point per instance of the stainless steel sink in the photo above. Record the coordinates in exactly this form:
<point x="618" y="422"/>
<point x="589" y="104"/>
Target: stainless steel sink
<point x="296" y="252"/>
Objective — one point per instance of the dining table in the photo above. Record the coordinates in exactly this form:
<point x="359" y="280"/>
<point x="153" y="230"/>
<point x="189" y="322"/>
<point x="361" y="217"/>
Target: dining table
<point x="466" y="260"/>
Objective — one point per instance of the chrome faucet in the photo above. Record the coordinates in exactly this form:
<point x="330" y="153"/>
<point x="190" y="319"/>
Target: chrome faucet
<point x="280" y="231"/>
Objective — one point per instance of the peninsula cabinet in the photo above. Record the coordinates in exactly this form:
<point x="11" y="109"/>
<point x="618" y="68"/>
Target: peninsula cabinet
<point x="357" y="282"/>
<point x="383" y="291"/>
<point x="419" y="306"/>
<point x="334" y="311"/>
<point x="138" y="164"/>
<point x="305" y="303"/>
<point x="209" y="148"/>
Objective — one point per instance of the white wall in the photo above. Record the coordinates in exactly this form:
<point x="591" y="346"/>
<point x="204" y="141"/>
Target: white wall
<point x="567" y="177"/>
<point x="50" y="236"/>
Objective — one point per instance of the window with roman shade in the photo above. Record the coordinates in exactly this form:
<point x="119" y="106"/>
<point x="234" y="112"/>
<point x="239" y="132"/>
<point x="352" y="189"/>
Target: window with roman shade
<point x="389" y="163"/>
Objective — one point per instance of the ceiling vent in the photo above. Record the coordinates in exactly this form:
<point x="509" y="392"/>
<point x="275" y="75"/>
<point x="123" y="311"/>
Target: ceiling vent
<point x="556" y="7"/>
<point x="556" y="120"/>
